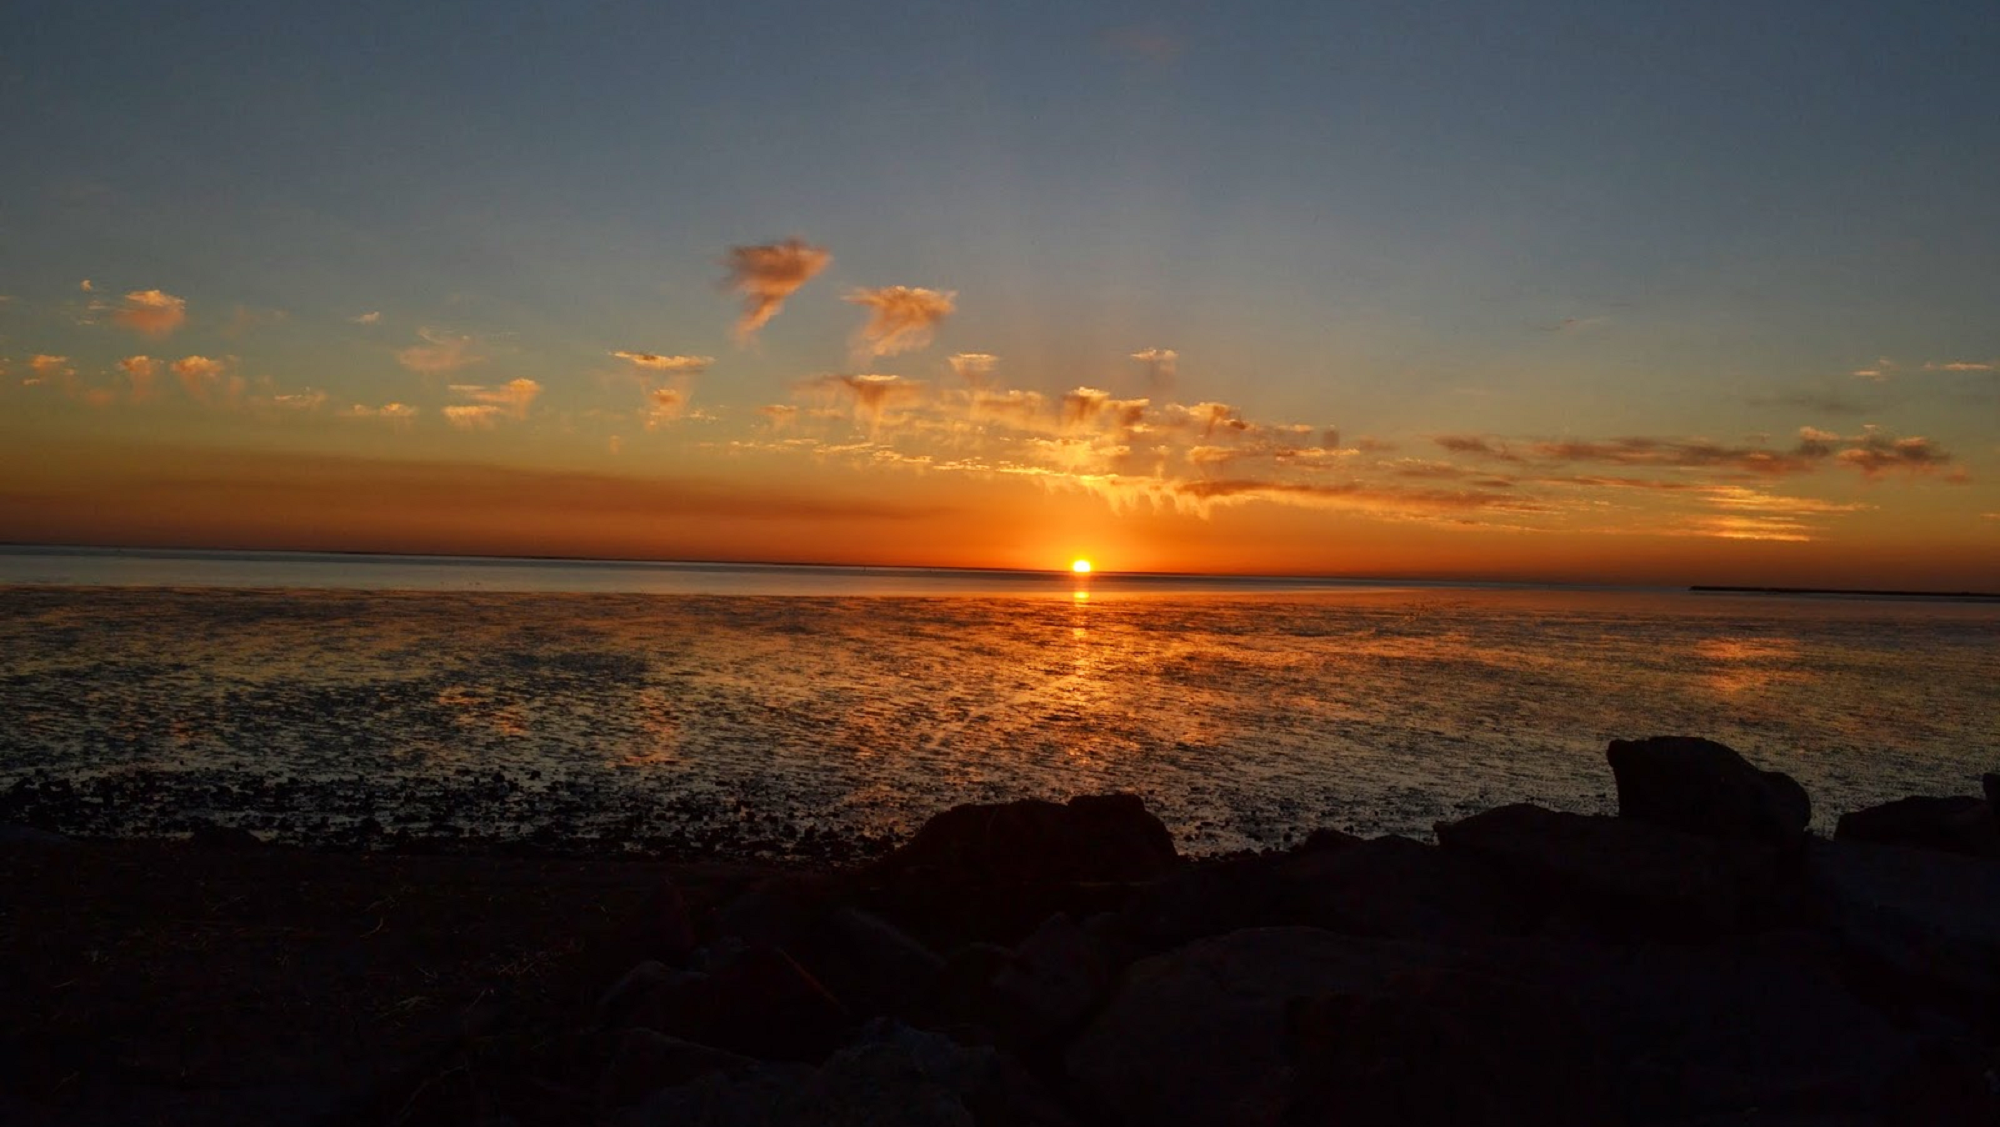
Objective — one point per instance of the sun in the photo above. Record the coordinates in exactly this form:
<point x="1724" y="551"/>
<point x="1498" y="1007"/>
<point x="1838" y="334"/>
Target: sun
<point x="1081" y="567"/>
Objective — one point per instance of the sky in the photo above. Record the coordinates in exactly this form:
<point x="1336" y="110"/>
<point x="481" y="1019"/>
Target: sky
<point x="1588" y="292"/>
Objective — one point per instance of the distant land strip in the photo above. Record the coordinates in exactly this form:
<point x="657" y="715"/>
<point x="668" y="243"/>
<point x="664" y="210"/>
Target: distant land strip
<point x="1850" y="592"/>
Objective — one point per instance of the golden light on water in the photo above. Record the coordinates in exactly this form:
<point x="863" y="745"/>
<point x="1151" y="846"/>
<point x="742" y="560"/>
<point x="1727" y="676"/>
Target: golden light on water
<point x="1081" y="567"/>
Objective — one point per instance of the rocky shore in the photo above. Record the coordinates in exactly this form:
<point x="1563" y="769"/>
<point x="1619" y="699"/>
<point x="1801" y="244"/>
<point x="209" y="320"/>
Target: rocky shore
<point x="1697" y="959"/>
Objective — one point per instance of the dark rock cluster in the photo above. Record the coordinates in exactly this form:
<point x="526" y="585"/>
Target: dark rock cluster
<point x="1698" y="959"/>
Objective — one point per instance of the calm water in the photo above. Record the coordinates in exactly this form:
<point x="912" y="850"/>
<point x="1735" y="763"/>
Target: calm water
<point x="756" y="709"/>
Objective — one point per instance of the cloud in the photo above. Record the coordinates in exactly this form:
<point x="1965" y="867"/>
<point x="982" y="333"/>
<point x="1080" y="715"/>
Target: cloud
<point x="440" y="352"/>
<point x="1023" y="410"/>
<point x="1090" y="408"/>
<point x="1477" y="445"/>
<point x="388" y="412"/>
<point x="1876" y="453"/>
<point x="142" y="371"/>
<point x="244" y="319"/>
<point x="1820" y="403"/>
<point x="768" y="274"/>
<point x="874" y="396"/>
<point x="975" y="368"/>
<point x="512" y="397"/>
<point x="479" y="417"/>
<point x="85" y="286"/>
<point x="295" y="401"/>
<point x="1204" y="417"/>
<point x="1959" y="366"/>
<point x="373" y="316"/>
<point x="654" y="362"/>
<point x="151" y="312"/>
<point x="199" y="375"/>
<point x="1161" y="364"/>
<point x="782" y="415"/>
<point x="664" y="405"/>
<point x="903" y="318"/>
<point x="47" y="367"/>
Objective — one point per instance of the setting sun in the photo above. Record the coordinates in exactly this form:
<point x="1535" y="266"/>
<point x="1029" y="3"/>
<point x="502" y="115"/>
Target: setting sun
<point x="1081" y="567"/>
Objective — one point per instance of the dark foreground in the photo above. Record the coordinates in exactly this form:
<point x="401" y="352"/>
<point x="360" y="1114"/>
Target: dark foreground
<point x="1697" y="959"/>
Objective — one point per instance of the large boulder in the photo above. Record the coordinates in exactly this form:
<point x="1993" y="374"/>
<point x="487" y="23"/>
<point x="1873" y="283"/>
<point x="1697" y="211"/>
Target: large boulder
<point x="1203" y="1035"/>
<point x="1930" y="918"/>
<point x="1109" y="837"/>
<point x="1955" y="825"/>
<point x="1703" y="787"/>
<point x="751" y="1000"/>
<point x="1633" y="877"/>
<point x="872" y="966"/>
<point x="1391" y="887"/>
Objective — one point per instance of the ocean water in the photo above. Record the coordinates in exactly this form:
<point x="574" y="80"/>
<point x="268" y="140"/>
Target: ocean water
<point x="778" y="711"/>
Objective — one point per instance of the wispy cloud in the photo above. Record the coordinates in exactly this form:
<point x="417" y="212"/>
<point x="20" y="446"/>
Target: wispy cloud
<point x="151" y="312"/>
<point x="1876" y="452"/>
<point x="1161" y="365"/>
<point x="143" y="371"/>
<point x="901" y="318"/>
<point x="766" y="275"/>
<point x="873" y="395"/>
<point x="512" y="397"/>
<point x="1961" y="366"/>
<point x="664" y="405"/>
<point x="387" y="412"/>
<point x="782" y="415"/>
<point x="481" y="416"/>
<point x="48" y="367"/>
<point x="654" y="362"/>
<point x="372" y="317"/>
<point x="200" y="376"/>
<point x="441" y="352"/>
<point x="975" y="368"/>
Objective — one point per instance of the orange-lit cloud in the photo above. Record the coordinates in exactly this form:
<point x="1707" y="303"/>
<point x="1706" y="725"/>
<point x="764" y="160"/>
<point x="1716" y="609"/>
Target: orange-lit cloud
<point x="782" y="415"/>
<point x="151" y="312"/>
<point x="47" y="367"/>
<point x="874" y="396"/>
<point x="664" y="405"/>
<point x="902" y="318"/>
<point x="1161" y="364"/>
<point x="388" y="412"/>
<point x="512" y="397"/>
<point x="1959" y="366"/>
<point x="373" y="316"/>
<point x="199" y="375"/>
<point x="1089" y="407"/>
<point x="1875" y="453"/>
<point x="768" y="274"/>
<point x="476" y="417"/>
<point x="142" y="371"/>
<point x="975" y="368"/>
<point x="654" y="362"/>
<point x="85" y="286"/>
<point x="441" y="352"/>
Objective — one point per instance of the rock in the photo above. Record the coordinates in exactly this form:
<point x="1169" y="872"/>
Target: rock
<point x="1929" y="917"/>
<point x="1054" y="978"/>
<point x="1703" y="787"/>
<point x="870" y="964"/>
<point x="1989" y="784"/>
<point x="1632" y="876"/>
<point x="208" y="835"/>
<point x="1201" y="1036"/>
<point x="893" y="1076"/>
<point x="1447" y="1046"/>
<point x="1392" y="887"/>
<point x="1108" y="837"/>
<point x="1759" y="1024"/>
<point x="1955" y="825"/>
<point x="748" y="999"/>
<point x="12" y="833"/>
<point x="646" y="1061"/>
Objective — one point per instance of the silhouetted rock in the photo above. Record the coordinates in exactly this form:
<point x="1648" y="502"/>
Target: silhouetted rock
<point x="13" y="833"/>
<point x="1392" y="887"/>
<point x="1201" y="1035"/>
<point x="752" y="1000"/>
<point x="1447" y="1047"/>
<point x="1109" y="837"/>
<point x="869" y="963"/>
<point x="1703" y="787"/>
<point x="1631" y="876"/>
<point x="893" y="1076"/>
<point x="646" y="1061"/>
<point x="208" y="835"/>
<point x="1929" y="916"/>
<point x="1990" y="784"/>
<point x="1955" y="825"/>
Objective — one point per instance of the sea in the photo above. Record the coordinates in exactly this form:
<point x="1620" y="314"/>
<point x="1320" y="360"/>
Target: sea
<point x="824" y="712"/>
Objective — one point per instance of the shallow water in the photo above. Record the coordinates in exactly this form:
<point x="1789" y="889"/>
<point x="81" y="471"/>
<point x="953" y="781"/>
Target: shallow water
<point x="766" y="724"/>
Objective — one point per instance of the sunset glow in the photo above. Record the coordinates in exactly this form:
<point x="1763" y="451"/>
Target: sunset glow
<point x="1081" y="567"/>
<point x="1543" y="313"/>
